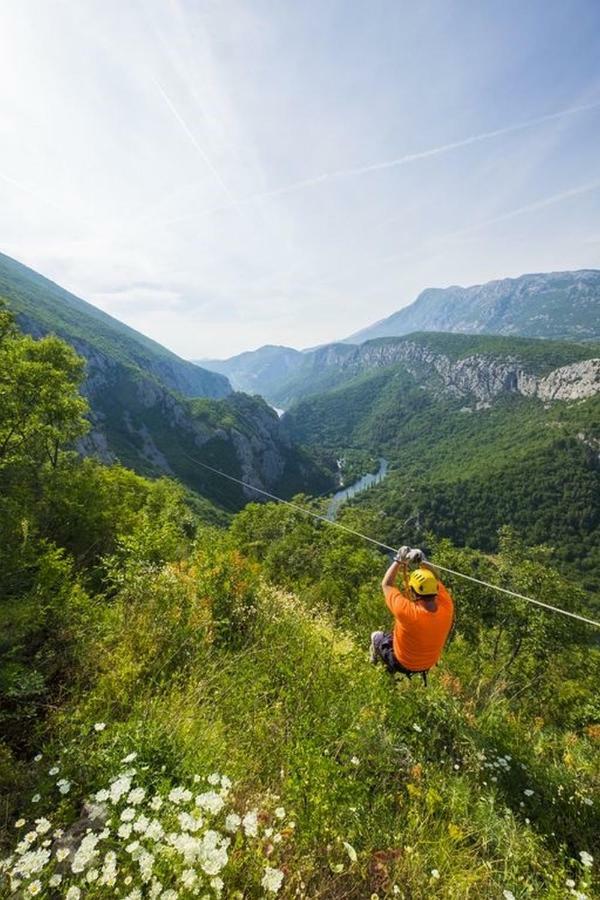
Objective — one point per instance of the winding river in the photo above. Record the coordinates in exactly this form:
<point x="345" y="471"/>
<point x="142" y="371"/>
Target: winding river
<point x="362" y="484"/>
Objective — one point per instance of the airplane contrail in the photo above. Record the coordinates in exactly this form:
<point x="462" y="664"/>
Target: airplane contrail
<point x="446" y="148"/>
<point x="392" y="163"/>
<point x="530" y="207"/>
<point x="192" y="137"/>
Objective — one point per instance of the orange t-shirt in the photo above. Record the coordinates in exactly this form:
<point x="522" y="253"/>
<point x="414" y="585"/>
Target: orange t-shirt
<point x="420" y="635"/>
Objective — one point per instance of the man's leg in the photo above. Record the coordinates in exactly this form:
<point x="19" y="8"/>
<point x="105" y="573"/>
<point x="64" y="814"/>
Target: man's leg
<point x="382" y="649"/>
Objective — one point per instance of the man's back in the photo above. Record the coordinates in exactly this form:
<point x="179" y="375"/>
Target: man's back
<point x="420" y="629"/>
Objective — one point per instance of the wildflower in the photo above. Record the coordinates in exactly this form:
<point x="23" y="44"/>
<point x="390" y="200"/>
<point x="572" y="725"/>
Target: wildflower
<point x="588" y="801"/>
<point x="225" y="783"/>
<point x="180" y="795"/>
<point x="129" y="758"/>
<point x="155" y="889"/>
<point x="30" y="837"/>
<point x="156" y="803"/>
<point x="217" y="884"/>
<point x="214" y="779"/>
<point x="92" y="875"/>
<point x="350" y="851"/>
<point x="102" y="796"/>
<point x="456" y="766"/>
<point x="417" y="727"/>
<point x="141" y="823"/>
<point x="280" y="812"/>
<point x="250" y="823"/>
<point x="62" y="853"/>
<point x="53" y="771"/>
<point x="37" y="758"/>
<point x="232" y="822"/>
<point x="435" y="873"/>
<point x="99" y="726"/>
<point x="36" y="798"/>
<point x="124" y="830"/>
<point x="63" y="786"/>
<point x="73" y="893"/>
<point x="146" y="864"/>
<point x="154" y="830"/>
<point x="55" y="880"/>
<point x="528" y="792"/>
<point x="119" y="787"/>
<point x="19" y="823"/>
<point x="586" y="858"/>
<point x="85" y="853"/>
<point x="35" y="887"/>
<point x="197" y="779"/>
<point x="42" y="826"/>
<point x="272" y="880"/>
<point x="189" y="878"/>
<point x="109" y="869"/>
<point x="355" y="761"/>
<point x="128" y="814"/>
<point x="210" y="801"/>
<point x="570" y="883"/>
<point x="170" y="894"/>
<point x="508" y="895"/>
<point x="136" y="796"/>
<point x="189" y="823"/>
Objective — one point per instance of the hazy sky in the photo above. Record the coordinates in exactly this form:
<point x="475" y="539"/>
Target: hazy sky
<point x="222" y="175"/>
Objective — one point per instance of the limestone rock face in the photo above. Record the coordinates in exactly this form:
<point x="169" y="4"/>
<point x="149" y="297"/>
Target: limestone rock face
<point x="477" y="376"/>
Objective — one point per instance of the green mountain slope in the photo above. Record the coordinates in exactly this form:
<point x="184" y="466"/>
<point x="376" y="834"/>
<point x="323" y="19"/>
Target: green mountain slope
<point x="549" y="305"/>
<point x="157" y="413"/>
<point x="43" y="307"/>
<point x="476" y="440"/>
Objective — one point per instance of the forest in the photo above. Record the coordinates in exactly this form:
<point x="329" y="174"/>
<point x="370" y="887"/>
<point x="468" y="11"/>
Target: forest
<point x="187" y="707"/>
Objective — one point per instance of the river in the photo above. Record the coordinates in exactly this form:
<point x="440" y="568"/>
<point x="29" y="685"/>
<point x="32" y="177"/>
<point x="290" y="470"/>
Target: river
<point x="362" y="484"/>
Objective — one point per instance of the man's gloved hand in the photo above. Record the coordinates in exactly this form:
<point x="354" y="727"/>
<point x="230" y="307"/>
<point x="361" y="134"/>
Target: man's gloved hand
<point x="402" y="554"/>
<point x="415" y="556"/>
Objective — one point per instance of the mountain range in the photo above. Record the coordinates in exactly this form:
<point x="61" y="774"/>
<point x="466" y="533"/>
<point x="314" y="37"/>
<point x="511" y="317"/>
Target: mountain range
<point x="555" y="305"/>
<point x="480" y="432"/>
<point x="157" y="413"/>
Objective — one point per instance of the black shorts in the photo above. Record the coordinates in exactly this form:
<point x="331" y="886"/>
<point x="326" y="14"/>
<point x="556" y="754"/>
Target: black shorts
<point x="384" y="647"/>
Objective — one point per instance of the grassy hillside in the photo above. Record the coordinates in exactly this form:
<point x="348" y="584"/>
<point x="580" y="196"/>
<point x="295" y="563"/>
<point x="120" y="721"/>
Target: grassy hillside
<point x="187" y="710"/>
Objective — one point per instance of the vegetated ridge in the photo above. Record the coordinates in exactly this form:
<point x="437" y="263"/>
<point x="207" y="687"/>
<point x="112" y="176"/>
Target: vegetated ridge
<point x="155" y="412"/>
<point x="553" y="305"/>
<point x="480" y="432"/>
<point x="186" y="708"/>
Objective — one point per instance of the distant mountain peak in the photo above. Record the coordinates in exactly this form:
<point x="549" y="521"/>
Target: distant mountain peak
<point x="539" y="304"/>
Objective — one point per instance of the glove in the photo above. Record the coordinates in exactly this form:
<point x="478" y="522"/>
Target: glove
<point x="402" y="554"/>
<point x="415" y="556"/>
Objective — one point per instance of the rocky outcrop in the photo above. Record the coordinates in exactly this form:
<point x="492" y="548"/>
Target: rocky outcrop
<point x="478" y="376"/>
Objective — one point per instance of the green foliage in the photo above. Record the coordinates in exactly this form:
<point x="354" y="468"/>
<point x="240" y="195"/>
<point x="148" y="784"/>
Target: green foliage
<point x="145" y="655"/>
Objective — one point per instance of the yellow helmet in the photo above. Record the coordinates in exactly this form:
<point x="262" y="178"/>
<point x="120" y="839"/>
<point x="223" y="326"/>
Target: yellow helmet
<point x="423" y="582"/>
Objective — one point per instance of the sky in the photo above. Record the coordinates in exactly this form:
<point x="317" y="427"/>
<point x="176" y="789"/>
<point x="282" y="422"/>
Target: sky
<point x="221" y="174"/>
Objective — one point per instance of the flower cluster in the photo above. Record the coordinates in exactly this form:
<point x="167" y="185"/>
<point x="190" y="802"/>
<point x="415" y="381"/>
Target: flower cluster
<point x="163" y="845"/>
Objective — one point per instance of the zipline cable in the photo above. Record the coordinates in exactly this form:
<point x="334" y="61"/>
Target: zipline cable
<point x="309" y="512"/>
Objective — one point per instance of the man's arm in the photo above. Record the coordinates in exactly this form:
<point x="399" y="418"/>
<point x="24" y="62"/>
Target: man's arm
<point x="389" y="579"/>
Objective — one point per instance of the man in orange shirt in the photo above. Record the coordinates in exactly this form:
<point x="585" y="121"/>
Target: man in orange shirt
<point x="422" y="621"/>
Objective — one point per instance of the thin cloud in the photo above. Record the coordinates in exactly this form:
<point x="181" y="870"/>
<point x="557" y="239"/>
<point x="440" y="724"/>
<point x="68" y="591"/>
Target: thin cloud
<point x="316" y="180"/>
